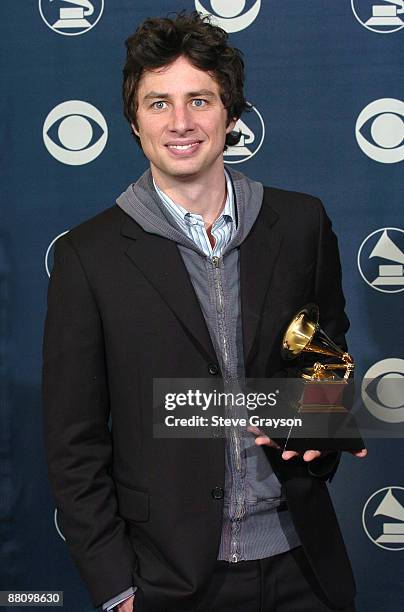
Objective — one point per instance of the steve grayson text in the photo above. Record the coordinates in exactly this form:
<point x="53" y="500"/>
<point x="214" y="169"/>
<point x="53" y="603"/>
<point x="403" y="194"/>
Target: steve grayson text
<point x="220" y="421"/>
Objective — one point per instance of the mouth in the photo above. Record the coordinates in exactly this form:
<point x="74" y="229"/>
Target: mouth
<point x="183" y="150"/>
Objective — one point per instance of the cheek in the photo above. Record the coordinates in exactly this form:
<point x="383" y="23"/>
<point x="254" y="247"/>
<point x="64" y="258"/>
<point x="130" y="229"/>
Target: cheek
<point x="219" y="134"/>
<point x="214" y="127"/>
<point x="149" y="136"/>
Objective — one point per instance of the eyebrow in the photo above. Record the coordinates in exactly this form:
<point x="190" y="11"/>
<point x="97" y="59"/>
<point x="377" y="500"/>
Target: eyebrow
<point x="207" y="93"/>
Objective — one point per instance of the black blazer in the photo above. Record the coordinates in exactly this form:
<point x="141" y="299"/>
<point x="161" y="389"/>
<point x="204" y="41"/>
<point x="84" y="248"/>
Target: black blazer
<point x="121" y="310"/>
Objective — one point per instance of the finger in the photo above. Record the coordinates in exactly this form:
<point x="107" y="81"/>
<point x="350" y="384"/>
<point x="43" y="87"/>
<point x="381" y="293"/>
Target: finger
<point x="289" y="454"/>
<point x="309" y="455"/>
<point x="264" y="440"/>
<point x="253" y="429"/>
<point x="261" y="438"/>
<point x="361" y="453"/>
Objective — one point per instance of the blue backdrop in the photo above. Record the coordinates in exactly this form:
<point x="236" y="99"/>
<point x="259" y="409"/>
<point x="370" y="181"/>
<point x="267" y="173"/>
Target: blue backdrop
<point x="326" y="82"/>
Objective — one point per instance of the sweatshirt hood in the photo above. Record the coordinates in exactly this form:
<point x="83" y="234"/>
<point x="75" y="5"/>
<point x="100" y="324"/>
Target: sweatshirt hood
<point x="142" y="202"/>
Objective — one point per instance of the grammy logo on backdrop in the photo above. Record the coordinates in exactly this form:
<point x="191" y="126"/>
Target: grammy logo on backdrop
<point x="393" y="273"/>
<point x="393" y="532"/>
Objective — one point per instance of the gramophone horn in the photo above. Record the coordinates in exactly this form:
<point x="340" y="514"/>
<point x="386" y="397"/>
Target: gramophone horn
<point x="300" y="331"/>
<point x="304" y="335"/>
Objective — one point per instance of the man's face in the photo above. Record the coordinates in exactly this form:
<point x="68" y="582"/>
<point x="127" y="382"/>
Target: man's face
<point x="181" y="121"/>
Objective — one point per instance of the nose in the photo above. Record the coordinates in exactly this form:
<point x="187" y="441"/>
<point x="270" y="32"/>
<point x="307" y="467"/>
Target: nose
<point x="181" y="119"/>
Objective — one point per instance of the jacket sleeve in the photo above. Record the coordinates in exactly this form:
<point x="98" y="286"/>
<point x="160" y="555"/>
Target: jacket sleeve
<point x="328" y="282"/>
<point x="333" y="320"/>
<point x="76" y="433"/>
<point x="121" y="597"/>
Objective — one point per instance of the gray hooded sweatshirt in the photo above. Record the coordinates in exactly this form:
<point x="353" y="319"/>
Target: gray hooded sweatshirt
<point x="256" y="521"/>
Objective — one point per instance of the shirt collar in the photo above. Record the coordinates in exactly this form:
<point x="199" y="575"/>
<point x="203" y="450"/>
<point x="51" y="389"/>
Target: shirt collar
<point x="228" y="212"/>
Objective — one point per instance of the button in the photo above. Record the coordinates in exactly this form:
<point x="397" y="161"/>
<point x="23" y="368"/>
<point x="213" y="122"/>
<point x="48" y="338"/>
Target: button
<point x="217" y="493"/>
<point x="192" y="220"/>
<point x="213" y="369"/>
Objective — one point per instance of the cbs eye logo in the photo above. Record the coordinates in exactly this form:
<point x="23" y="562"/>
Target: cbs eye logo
<point x="382" y="122"/>
<point x="229" y="15"/>
<point x="383" y="390"/>
<point x="55" y="520"/>
<point x="49" y="252"/>
<point x="81" y="130"/>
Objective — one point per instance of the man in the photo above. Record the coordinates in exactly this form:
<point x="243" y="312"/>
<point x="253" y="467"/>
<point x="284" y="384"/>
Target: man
<point x="193" y="274"/>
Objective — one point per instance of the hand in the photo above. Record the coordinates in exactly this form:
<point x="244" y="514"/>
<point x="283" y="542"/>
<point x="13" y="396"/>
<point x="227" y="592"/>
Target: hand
<point x="308" y="455"/>
<point x="126" y="606"/>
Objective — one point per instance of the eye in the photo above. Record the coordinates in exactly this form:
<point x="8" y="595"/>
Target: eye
<point x="81" y="130"/>
<point x="380" y="130"/>
<point x="386" y="130"/>
<point x="382" y="391"/>
<point x="199" y="102"/>
<point x="387" y="390"/>
<point x="159" y="105"/>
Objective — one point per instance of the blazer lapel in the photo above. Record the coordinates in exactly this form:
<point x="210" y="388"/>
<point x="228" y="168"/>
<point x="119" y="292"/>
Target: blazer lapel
<point x="160" y="262"/>
<point x="258" y="255"/>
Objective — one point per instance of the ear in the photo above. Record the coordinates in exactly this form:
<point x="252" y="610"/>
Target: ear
<point x="231" y="125"/>
<point x="136" y="131"/>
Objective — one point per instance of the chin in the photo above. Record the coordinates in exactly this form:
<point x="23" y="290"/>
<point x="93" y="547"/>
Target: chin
<point x="183" y="170"/>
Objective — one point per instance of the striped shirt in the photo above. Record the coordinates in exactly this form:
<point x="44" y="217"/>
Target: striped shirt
<point x="193" y="224"/>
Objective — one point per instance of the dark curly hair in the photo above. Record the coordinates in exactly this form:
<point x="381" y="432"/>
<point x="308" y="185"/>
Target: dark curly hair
<point x="158" y="42"/>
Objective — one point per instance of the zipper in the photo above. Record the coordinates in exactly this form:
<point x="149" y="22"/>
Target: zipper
<point x="216" y="262"/>
<point x="234" y="553"/>
<point x="220" y="307"/>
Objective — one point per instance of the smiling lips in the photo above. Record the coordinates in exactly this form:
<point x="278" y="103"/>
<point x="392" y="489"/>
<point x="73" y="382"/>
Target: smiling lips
<point x="183" y="148"/>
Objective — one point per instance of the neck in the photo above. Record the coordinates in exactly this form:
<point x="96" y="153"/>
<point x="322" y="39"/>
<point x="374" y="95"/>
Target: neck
<point x="204" y="195"/>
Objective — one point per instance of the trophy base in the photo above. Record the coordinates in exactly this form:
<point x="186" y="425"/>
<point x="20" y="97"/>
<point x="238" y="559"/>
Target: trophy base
<point x="329" y="430"/>
<point x="303" y="444"/>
